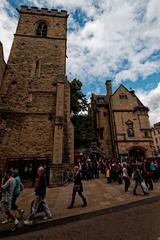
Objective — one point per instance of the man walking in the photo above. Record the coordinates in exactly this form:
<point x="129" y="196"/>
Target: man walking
<point x="40" y="191"/>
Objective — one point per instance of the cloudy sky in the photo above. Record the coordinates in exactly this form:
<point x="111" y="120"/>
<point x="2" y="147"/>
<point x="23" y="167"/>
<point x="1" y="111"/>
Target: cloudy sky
<point x="107" y="39"/>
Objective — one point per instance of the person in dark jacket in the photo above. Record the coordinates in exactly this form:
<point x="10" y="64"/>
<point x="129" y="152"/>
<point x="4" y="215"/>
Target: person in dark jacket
<point x="40" y="192"/>
<point x="78" y="187"/>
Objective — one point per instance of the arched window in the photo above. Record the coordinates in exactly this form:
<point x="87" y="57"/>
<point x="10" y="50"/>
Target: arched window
<point x="42" y="29"/>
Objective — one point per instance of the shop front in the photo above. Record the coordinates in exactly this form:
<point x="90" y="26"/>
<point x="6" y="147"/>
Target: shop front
<point x="27" y="168"/>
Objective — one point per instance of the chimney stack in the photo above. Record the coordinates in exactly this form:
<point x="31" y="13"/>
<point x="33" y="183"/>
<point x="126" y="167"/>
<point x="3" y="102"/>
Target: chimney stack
<point x="108" y="88"/>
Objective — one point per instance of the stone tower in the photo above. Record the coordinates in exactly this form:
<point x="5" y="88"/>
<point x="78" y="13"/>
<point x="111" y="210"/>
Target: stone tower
<point x="35" y="94"/>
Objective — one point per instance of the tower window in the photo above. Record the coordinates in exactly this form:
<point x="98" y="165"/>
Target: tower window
<point x="42" y="29"/>
<point x="145" y="133"/>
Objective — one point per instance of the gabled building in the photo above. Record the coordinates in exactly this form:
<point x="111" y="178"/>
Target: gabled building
<point x="122" y="123"/>
<point x="35" y="126"/>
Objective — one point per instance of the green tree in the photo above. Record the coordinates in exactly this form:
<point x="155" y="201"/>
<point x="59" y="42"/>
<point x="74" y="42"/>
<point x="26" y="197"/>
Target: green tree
<point x="78" y="99"/>
<point x="83" y="124"/>
<point x="84" y="131"/>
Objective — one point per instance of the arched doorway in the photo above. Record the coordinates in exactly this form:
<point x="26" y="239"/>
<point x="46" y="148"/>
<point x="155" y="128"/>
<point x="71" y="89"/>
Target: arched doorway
<point x="137" y="153"/>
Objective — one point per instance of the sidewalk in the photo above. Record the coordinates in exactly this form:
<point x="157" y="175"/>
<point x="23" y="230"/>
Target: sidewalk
<point x="99" y="194"/>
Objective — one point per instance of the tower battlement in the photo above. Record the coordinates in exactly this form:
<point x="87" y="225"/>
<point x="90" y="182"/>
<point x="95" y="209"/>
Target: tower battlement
<point x="43" y="11"/>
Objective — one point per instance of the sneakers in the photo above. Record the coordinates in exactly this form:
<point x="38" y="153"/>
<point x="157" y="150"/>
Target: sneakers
<point x="16" y="222"/>
<point x="28" y="222"/>
<point x="47" y="217"/>
<point x="6" y="221"/>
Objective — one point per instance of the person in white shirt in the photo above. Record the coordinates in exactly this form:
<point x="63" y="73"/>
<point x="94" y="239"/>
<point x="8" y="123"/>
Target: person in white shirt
<point x="125" y="177"/>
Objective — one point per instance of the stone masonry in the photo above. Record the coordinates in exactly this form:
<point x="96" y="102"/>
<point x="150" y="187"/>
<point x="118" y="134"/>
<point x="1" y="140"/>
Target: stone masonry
<point x="35" y="94"/>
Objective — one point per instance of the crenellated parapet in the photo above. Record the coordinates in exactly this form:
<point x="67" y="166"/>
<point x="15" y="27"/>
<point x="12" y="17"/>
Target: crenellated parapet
<point x="43" y="11"/>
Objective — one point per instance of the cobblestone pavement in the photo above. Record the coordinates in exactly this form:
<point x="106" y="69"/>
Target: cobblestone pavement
<point x="99" y="194"/>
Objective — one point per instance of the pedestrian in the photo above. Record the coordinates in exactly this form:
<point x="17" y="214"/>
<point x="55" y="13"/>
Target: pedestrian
<point x="138" y="181"/>
<point x="7" y="194"/>
<point x="40" y="192"/>
<point x="17" y="191"/>
<point x="78" y="187"/>
<point x="108" y="175"/>
<point x="125" y="177"/>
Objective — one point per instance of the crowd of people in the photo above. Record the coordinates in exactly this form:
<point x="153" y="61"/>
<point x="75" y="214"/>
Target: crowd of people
<point x="144" y="173"/>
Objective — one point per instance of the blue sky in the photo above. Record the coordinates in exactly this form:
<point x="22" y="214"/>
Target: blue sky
<point x="107" y="39"/>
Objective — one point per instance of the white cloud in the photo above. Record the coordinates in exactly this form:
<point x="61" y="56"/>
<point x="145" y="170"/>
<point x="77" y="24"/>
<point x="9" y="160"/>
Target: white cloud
<point x="151" y="99"/>
<point x="114" y="31"/>
<point x="8" y="25"/>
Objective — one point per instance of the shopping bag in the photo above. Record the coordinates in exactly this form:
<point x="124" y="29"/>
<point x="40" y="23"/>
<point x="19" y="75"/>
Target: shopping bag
<point x="144" y="186"/>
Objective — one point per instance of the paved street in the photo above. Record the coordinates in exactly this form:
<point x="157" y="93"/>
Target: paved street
<point x="100" y="195"/>
<point x="139" y="223"/>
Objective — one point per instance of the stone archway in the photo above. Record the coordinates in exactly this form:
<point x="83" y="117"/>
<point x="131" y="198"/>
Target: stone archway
<point x="137" y="153"/>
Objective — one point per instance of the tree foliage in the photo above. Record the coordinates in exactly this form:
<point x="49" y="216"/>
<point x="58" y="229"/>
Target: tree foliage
<point x="84" y="131"/>
<point x="78" y="99"/>
<point x="83" y="124"/>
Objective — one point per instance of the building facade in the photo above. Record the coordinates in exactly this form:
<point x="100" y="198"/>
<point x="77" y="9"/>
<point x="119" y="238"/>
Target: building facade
<point x="122" y="124"/>
<point x="156" y="139"/>
<point x="35" y="126"/>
